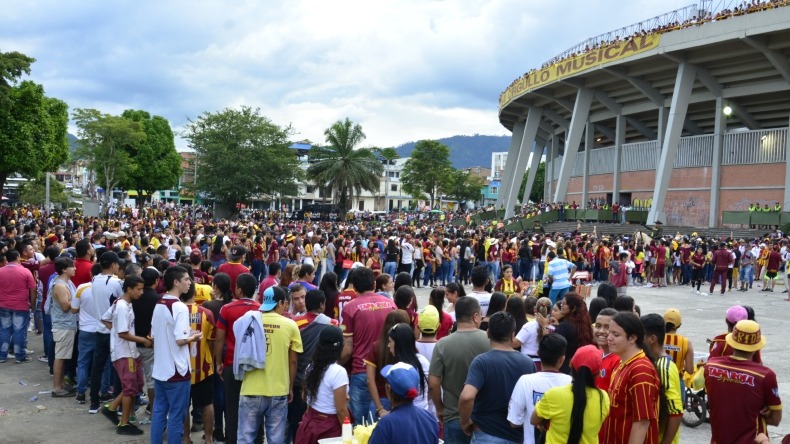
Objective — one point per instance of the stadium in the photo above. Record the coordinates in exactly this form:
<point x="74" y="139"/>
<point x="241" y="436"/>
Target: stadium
<point x="684" y="116"/>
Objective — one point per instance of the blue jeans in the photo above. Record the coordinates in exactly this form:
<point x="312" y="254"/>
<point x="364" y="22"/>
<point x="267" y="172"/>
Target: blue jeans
<point x="557" y="294"/>
<point x="451" y="273"/>
<point x="453" y="433"/>
<point x="49" y="342"/>
<point x="444" y="272"/>
<point x="170" y="409"/>
<point x="257" y="269"/>
<point x="359" y="397"/>
<point x="272" y="411"/>
<point x="493" y="270"/>
<point x="525" y="269"/>
<point x="219" y="403"/>
<point x="390" y="268"/>
<point x="427" y="274"/>
<point x="13" y="330"/>
<point x="747" y="274"/>
<point x="480" y="437"/>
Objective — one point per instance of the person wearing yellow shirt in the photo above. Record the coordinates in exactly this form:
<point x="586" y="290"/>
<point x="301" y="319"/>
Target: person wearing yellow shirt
<point x="582" y="422"/>
<point x="668" y="374"/>
<point x="266" y="392"/>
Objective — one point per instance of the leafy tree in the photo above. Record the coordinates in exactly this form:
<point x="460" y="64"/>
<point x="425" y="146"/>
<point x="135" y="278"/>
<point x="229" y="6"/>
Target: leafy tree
<point x="12" y="66"/>
<point x="241" y="154"/>
<point x="105" y="142"/>
<point x="34" y="192"/>
<point x="342" y="168"/>
<point x="464" y="186"/>
<point x="537" y="188"/>
<point x="33" y="131"/>
<point x="428" y="170"/>
<point x="158" y="164"/>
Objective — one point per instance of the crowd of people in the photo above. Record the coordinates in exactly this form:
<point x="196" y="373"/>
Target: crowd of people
<point x="746" y="7"/>
<point x="285" y="330"/>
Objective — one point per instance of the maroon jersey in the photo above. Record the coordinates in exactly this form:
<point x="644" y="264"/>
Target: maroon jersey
<point x="749" y="386"/>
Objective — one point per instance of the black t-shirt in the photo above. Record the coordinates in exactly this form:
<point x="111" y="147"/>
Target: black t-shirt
<point x="143" y="309"/>
<point x="737" y="253"/>
<point x="481" y="251"/>
<point x="525" y="252"/>
<point x="567" y="331"/>
<point x="392" y="254"/>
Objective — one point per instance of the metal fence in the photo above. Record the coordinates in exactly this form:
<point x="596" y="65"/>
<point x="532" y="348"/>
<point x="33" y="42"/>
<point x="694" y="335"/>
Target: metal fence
<point x="752" y="147"/>
<point x="739" y="148"/>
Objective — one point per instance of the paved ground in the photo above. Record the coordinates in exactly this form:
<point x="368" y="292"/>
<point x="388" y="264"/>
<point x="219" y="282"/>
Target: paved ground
<point x="62" y="420"/>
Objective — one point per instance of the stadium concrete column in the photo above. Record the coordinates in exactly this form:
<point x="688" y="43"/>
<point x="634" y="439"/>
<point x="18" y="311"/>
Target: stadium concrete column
<point x="619" y="137"/>
<point x="589" y="140"/>
<point x="520" y="165"/>
<point x="684" y="82"/>
<point x="537" y="153"/>
<point x="719" y="126"/>
<point x="663" y="115"/>
<point x="581" y="110"/>
<point x="512" y="157"/>
<point x="786" y="203"/>
<point x="548" y="176"/>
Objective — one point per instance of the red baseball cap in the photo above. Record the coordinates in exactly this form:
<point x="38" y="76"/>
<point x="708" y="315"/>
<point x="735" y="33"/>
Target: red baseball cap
<point x="588" y="356"/>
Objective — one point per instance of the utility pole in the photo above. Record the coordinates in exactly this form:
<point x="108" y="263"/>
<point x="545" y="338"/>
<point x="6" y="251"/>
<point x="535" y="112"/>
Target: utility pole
<point x="46" y="194"/>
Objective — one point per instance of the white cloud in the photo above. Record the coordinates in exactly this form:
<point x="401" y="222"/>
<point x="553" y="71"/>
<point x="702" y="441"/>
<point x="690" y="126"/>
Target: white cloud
<point x="405" y="70"/>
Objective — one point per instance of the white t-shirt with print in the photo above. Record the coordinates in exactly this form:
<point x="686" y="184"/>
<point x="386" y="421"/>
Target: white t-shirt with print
<point x="166" y="329"/>
<point x="528" y="336"/>
<point x="122" y="322"/>
<point x="527" y="392"/>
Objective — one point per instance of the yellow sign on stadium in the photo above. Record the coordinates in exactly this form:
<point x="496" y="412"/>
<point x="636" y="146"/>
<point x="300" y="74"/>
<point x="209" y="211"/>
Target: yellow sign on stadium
<point x="579" y="63"/>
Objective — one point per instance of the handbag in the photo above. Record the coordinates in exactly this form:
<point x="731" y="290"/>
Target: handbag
<point x="347" y="264"/>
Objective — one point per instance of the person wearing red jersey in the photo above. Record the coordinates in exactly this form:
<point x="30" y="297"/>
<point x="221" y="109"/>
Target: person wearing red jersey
<point x="610" y="360"/>
<point x="604" y="256"/>
<point x="271" y="280"/>
<point x="772" y="269"/>
<point x="685" y="261"/>
<point x="659" y="272"/>
<point x="634" y="390"/>
<point x="737" y="381"/>
<point x="83" y="263"/>
<point x="363" y="319"/>
<point x="195" y="258"/>
<point x="228" y="315"/>
<point x="234" y="267"/>
<point x="718" y="346"/>
<point x="721" y="261"/>
<point x="697" y="263"/>
<point x="345" y="296"/>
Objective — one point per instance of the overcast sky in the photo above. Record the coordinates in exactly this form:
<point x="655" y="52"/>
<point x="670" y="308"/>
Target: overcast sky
<point x="405" y="70"/>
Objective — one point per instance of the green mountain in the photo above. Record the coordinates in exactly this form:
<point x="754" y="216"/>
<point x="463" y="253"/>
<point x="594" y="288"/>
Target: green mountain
<point x="466" y="151"/>
<point x="72" y="142"/>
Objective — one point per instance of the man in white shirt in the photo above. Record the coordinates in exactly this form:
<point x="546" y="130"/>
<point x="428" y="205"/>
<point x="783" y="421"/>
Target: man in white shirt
<point x="479" y="281"/>
<point x="530" y="388"/>
<point x="172" y="375"/>
<point x="105" y="289"/>
<point x="406" y="255"/>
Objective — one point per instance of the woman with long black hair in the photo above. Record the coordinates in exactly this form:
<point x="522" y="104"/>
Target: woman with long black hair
<point x="590" y="405"/>
<point x="329" y="285"/>
<point x="324" y="390"/>
<point x="218" y="251"/>
<point x="402" y="348"/>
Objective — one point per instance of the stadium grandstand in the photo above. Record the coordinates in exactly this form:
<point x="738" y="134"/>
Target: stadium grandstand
<point x="684" y="116"/>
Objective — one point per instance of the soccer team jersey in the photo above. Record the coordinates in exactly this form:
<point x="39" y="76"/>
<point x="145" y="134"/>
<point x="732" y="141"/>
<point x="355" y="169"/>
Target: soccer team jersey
<point x="677" y="347"/>
<point x="202" y="320"/>
<point x="670" y="381"/>
<point x="750" y="386"/>
<point x="634" y="395"/>
<point x="609" y="363"/>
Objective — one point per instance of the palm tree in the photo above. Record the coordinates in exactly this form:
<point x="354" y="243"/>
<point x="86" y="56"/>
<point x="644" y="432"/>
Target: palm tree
<point x="388" y="156"/>
<point x="341" y="168"/>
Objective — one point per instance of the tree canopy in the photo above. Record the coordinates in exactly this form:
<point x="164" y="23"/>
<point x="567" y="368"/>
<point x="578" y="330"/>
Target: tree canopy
<point x="157" y="163"/>
<point x="34" y="192"/>
<point x="105" y="143"/>
<point x="341" y="167"/>
<point x="464" y="186"/>
<point x="428" y="170"/>
<point x="33" y="131"/>
<point x="537" y="188"/>
<point x="12" y="66"/>
<point x="240" y="154"/>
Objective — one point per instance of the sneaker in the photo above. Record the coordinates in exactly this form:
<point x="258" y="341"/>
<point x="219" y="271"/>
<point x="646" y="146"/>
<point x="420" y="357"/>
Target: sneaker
<point x="29" y="352"/>
<point x="219" y="436"/>
<point x="105" y="397"/>
<point x="2" y="360"/>
<point x="43" y="358"/>
<point x="128" y="429"/>
<point x="94" y="408"/>
<point x="69" y="381"/>
<point x="80" y="398"/>
<point x="112" y="415"/>
<point x="146" y="421"/>
<point x="24" y="360"/>
<point x="698" y="292"/>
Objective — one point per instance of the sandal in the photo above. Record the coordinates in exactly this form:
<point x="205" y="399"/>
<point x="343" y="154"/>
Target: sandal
<point x="63" y="393"/>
